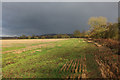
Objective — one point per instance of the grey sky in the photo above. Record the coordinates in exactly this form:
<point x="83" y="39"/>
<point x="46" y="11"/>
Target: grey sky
<point x="46" y="18"/>
<point x="119" y="9"/>
<point x="60" y="0"/>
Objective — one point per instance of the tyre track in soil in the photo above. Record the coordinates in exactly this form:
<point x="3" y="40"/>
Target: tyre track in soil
<point x="76" y="67"/>
<point x="108" y="68"/>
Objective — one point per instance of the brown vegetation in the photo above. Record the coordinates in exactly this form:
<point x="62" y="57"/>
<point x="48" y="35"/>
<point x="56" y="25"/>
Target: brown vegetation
<point x="78" y="68"/>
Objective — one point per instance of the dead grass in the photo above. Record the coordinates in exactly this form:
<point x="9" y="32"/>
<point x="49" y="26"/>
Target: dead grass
<point x="28" y="44"/>
<point x="8" y="43"/>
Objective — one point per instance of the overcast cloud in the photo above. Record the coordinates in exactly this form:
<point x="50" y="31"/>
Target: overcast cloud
<point x="47" y="18"/>
<point x="60" y="0"/>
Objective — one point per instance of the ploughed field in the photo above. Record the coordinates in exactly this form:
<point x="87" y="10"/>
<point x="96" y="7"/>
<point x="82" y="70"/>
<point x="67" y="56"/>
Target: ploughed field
<point x="57" y="58"/>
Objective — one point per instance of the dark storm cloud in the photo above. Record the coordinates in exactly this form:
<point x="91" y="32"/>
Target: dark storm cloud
<point x="45" y="18"/>
<point x="119" y="9"/>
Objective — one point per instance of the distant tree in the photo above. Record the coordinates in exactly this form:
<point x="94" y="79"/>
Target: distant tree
<point x="59" y="35"/>
<point x="119" y="20"/>
<point x="33" y="36"/>
<point x="71" y="35"/>
<point x="112" y="31"/>
<point x="36" y="37"/>
<point x="77" y="34"/>
<point x="49" y="36"/>
<point x="119" y="28"/>
<point x="65" y="36"/>
<point x="23" y="37"/>
<point x="43" y="37"/>
<point x="83" y="33"/>
<point x="29" y="37"/>
<point x="55" y="36"/>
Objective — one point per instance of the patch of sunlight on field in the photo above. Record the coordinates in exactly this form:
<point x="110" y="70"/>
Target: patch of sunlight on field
<point x="22" y="43"/>
<point x="45" y="60"/>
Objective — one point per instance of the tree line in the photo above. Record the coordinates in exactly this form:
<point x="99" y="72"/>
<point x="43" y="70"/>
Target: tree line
<point x="76" y="34"/>
<point x="99" y="28"/>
